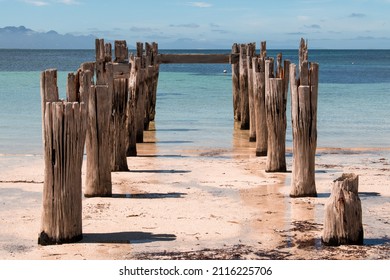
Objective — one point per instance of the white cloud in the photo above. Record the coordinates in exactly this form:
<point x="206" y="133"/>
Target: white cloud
<point x="200" y="4"/>
<point x="303" y="18"/>
<point x="37" y="3"/>
<point x="69" y="2"/>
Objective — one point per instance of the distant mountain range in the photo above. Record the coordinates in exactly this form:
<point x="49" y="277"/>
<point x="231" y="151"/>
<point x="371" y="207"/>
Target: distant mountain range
<point x="12" y="37"/>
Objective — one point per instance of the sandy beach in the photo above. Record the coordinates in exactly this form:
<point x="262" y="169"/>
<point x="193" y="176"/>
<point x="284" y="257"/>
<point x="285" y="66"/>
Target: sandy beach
<point x="177" y="203"/>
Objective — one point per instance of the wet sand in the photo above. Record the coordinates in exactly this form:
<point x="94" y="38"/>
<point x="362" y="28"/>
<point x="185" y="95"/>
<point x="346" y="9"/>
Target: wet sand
<point x="178" y="203"/>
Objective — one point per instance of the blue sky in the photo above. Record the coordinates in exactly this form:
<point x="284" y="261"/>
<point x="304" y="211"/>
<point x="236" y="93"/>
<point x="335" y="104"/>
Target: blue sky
<point x="211" y="23"/>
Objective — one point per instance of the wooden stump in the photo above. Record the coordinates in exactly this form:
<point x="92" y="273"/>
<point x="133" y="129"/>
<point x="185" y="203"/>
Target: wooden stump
<point x="98" y="177"/>
<point x="251" y="48"/>
<point x="343" y="213"/>
<point x="275" y="106"/>
<point x="244" y="97"/>
<point x="304" y="94"/>
<point x="64" y="138"/>
<point x="236" y="84"/>
<point x="259" y="101"/>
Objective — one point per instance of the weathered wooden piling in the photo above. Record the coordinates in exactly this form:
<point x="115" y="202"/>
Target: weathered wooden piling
<point x="244" y="97"/>
<point x="251" y="50"/>
<point x="140" y="93"/>
<point x="259" y="101"/>
<point x="131" y="109"/>
<point x="343" y="213"/>
<point x="119" y="122"/>
<point x="64" y="128"/>
<point x="98" y="176"/>
<point x="304" y="95"/>
<point x="276" y="89"/>
<point x="236" y="84"/>
<point x="151" y="78"/>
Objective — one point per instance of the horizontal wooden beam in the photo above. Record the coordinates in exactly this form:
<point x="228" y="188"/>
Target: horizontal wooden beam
<point x="122" y="70"/>
<point x="194" y="58"/>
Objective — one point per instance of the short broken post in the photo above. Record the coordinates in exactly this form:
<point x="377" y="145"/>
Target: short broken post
<point x="343" y="213"/>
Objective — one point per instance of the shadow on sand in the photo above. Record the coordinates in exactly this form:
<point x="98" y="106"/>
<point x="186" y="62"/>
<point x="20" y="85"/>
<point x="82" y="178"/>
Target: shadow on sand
<point x="126" y="237"/>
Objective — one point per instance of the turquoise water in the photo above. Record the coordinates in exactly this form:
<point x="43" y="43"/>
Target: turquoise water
<point x="194" y="102"/>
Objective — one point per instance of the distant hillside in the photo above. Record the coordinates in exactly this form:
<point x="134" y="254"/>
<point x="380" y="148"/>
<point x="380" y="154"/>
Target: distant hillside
<point x="12" y="37"/>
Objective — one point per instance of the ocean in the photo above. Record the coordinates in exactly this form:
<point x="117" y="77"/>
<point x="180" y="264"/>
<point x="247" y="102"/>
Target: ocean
<point x="194" y="101"/>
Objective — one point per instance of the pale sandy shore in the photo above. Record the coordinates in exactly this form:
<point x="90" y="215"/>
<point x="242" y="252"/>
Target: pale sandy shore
<point x="176" y="203"/>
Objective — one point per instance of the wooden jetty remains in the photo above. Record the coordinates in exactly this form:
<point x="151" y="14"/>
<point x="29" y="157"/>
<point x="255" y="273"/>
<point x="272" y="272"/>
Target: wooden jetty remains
<point x="111" y="102"/>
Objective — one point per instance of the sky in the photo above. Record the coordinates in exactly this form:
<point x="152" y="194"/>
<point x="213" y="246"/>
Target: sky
<point x="327" y="24"/>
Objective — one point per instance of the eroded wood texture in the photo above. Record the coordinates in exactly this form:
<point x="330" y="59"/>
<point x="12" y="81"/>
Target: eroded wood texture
<point x="304" y="95"/>
<point x="64" y="137"/>
<point x="98" y="177"/>
<point x="343" y="213"/>
<point x="275" y="106"/>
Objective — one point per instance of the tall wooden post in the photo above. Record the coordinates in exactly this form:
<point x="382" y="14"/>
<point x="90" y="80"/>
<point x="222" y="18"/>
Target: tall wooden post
<point x="244" y="97"/>
<point x="275" y="101"/>
<point x="236" y="84"/>
<point x="119" y="133"/>
<point x="251" y="49"/>
<point x="64" y="128"/>
<point x="304" y="95"/>
<point x="98" y="177"/>
<point x="131" y="110"/>
<point x="140" y="94"/>
<point x="148" y="83"/>
<point x="156" y="70"/>
<point x="343" y="213"/>
<point x="259" y="100"/>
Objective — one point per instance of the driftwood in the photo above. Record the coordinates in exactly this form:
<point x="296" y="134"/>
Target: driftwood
<point x="64" y="138"/>
<point x="251" y="48"/>
<point x="275" y="101"/>
<point x="244" y="97"/>
<point x="98" y="177"/>
<point x="343" y="213"/>
<point x="236" y="84"/>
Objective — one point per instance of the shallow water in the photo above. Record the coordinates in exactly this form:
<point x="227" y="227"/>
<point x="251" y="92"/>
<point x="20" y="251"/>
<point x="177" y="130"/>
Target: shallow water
<point x="194" y="102"/>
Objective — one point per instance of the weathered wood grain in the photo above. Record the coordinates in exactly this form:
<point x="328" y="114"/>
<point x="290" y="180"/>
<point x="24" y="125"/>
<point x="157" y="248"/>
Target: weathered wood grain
<point x="343" y="223"/>
<point x="64" y="138"/>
